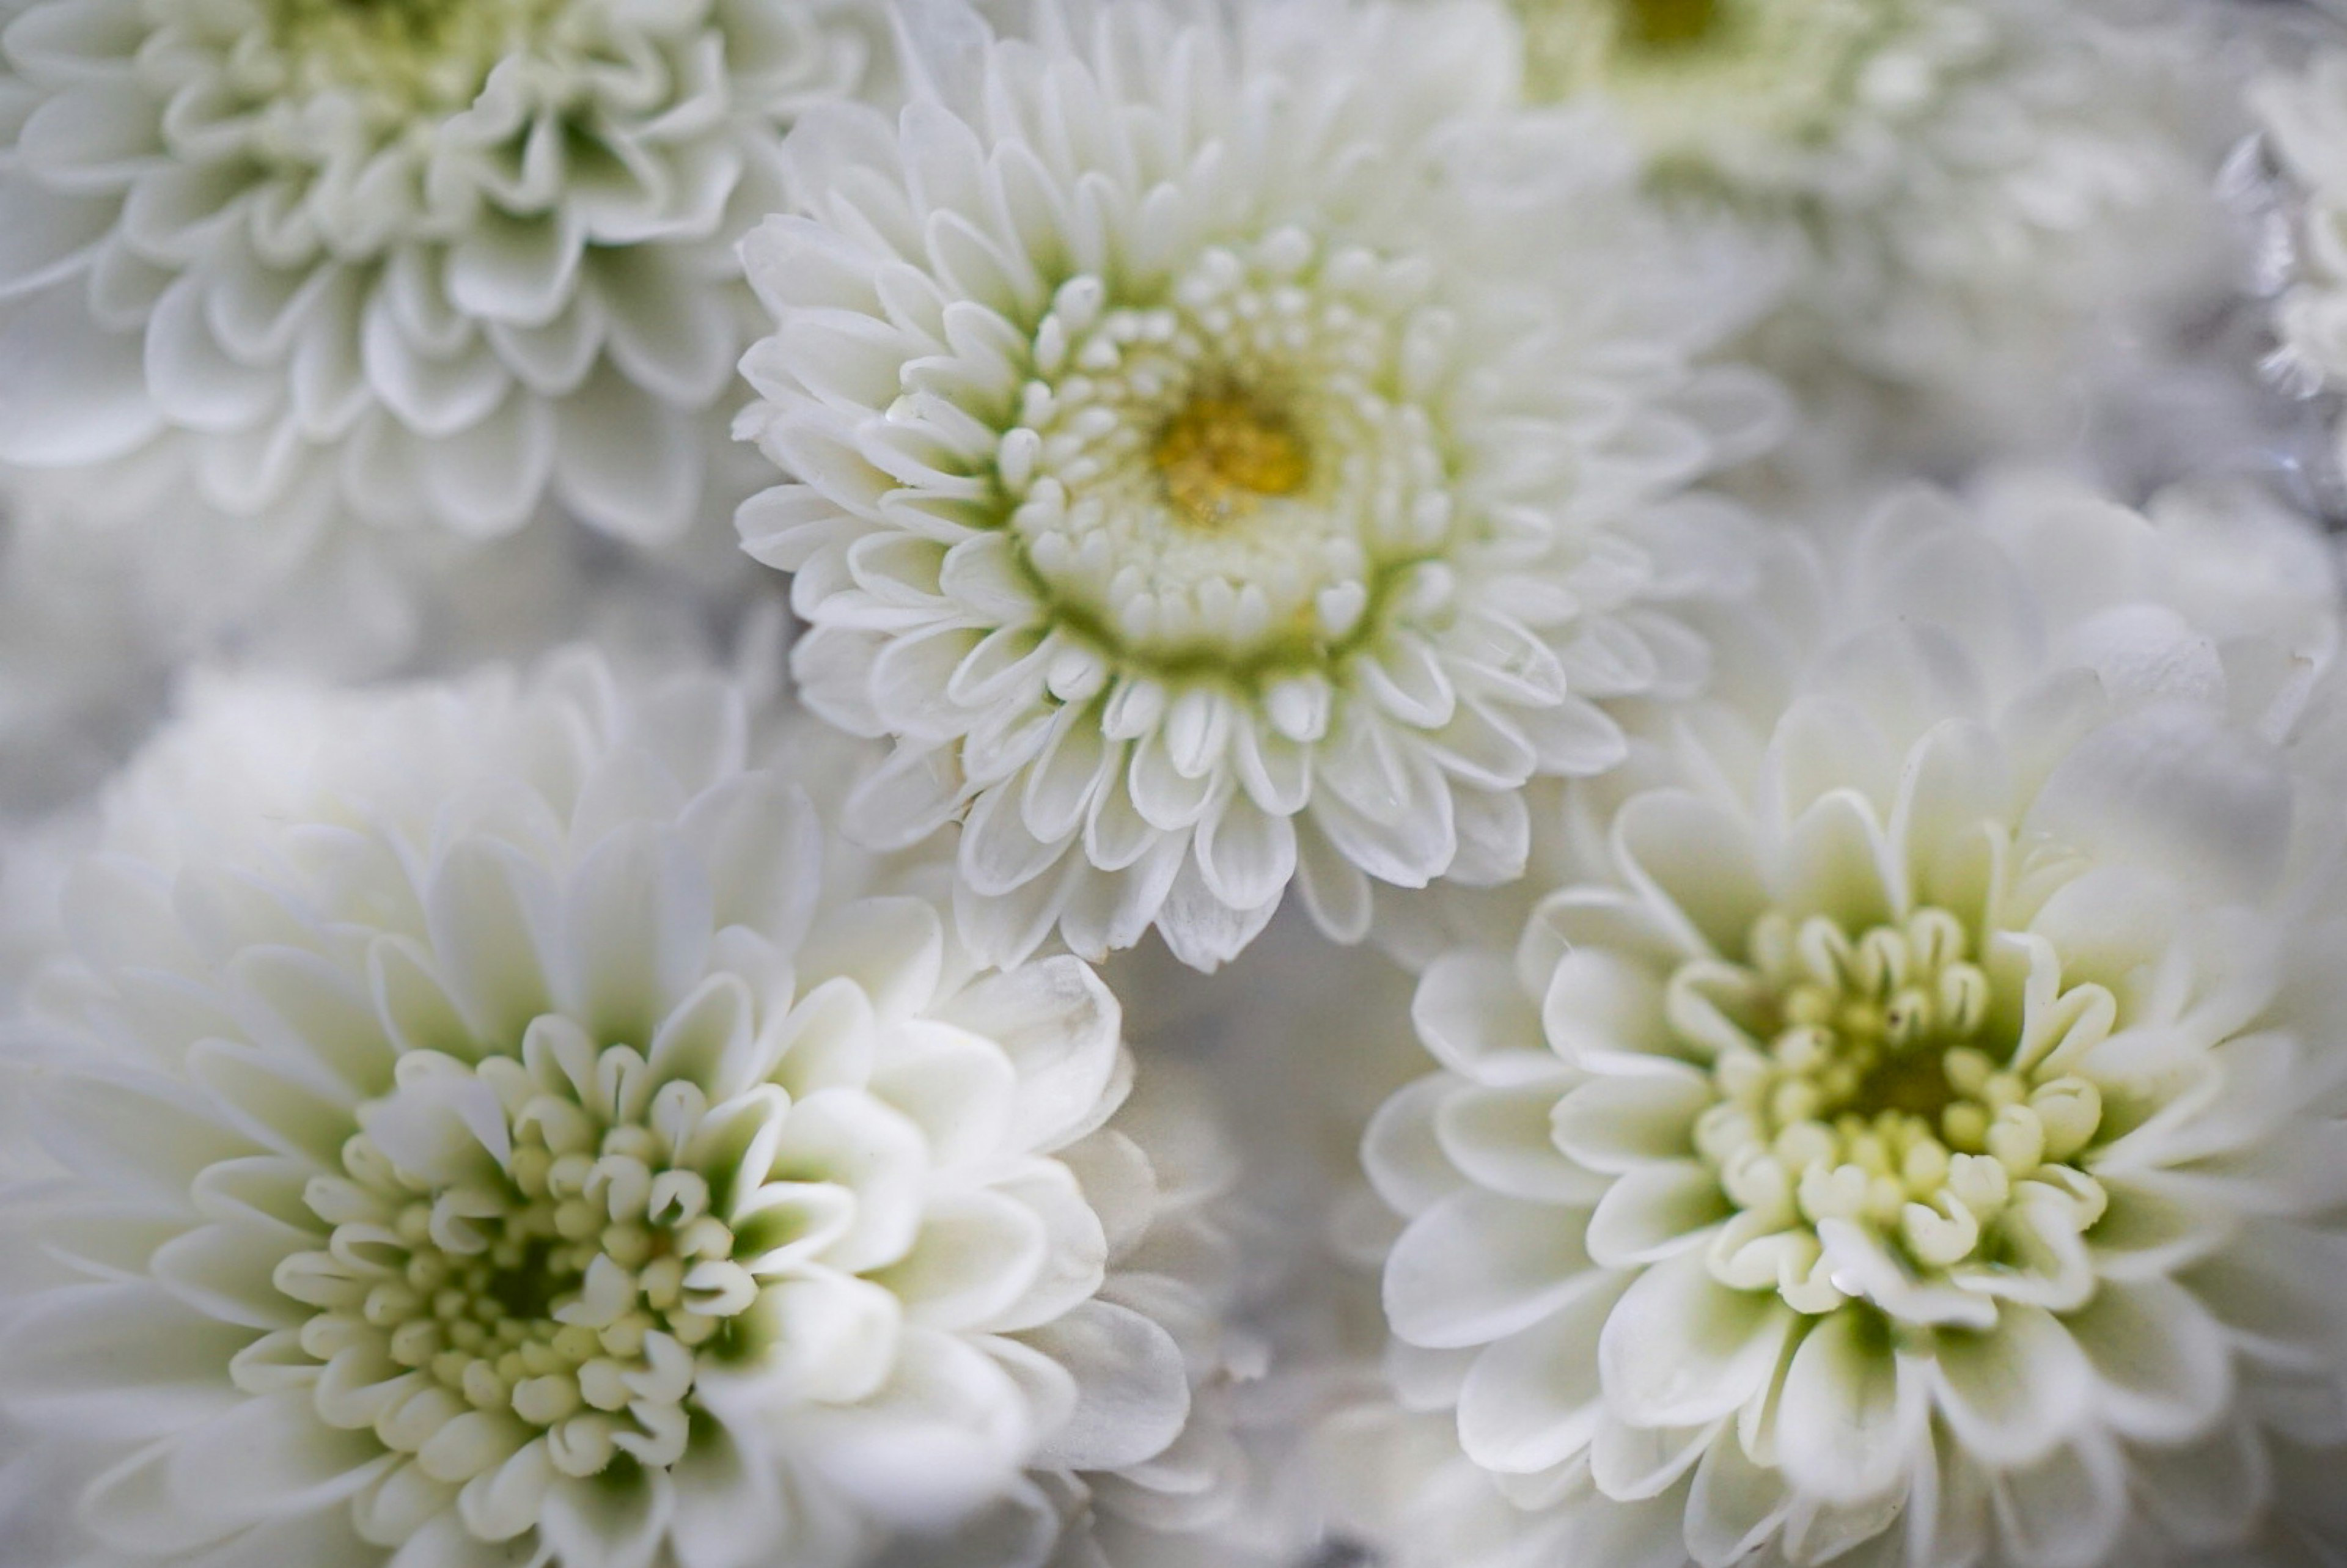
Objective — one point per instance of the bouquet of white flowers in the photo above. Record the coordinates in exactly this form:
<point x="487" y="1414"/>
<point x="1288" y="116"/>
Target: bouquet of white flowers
<point x="1149" y="783"/>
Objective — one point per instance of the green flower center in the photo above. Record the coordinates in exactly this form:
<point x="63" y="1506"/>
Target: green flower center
<point x="1884" y="1088"/>
<point x="1661" y="25"/>
<point x="427" y="54"/>
<point x="563" y="1290"/>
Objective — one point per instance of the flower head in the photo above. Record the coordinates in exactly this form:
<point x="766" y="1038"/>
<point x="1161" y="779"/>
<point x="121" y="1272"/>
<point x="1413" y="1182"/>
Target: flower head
<point x="410" y="258"/>
<point x="1916" y="1132"/>
<point x="1970" y="183"/>
<point x="531" y="1135"/>
<point x="1213" y="467"/>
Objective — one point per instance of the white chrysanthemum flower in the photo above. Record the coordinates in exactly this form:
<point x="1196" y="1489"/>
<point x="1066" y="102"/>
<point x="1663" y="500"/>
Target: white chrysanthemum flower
<point x="1972" y="183"/>
<point x="1917" y="1137"/>
<point x="1216" y="468"/>
<point x="418" y="259"/>
<point x="487" y="1125"/>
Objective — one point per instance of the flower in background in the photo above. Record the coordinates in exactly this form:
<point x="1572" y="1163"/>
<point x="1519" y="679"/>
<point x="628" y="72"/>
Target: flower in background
<point x="1972" y="185"/>
<point x="430" y="261"/>
<point x="2305" y="115"/>
<point x="1918" y="1133"/>
<point x="1216" y="465"/>
<point x="488" y="1120"/>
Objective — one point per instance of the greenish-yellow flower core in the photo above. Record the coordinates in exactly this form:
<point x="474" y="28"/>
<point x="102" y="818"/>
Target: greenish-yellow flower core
<point x="566" y="1288"/>
<point x="1882" y="1089"/>
<point x="1666" y="25"/>
<point x="429" y="54"/>
<point x="1224" y="451"/>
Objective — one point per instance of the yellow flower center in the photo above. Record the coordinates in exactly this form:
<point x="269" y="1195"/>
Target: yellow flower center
<point x="1224" y="451"/>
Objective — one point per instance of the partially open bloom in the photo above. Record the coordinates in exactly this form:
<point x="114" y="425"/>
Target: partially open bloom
<point x="1970" y="183"/>
<point x="1216" y="465"/>
<point x="488" y="1123"/>
<point x="425" y="260"/>
<point x="1917" y="1135"/>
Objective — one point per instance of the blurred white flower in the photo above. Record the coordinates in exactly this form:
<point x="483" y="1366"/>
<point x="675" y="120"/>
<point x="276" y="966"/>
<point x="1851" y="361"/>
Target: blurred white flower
<point x="1975" y="187"/>
<point x="423" y="260"/>
<point x="1916" y="1136"/>
<point x="487" y="1122"/>
<point x="2304" y="113"/>
<point x="1215" y="466"/>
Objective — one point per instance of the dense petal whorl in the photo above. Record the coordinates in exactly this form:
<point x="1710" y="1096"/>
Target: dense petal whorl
<point x="417" y="259"/>
<point x="1917" y="1132"/>
<point x="1218" y="463"/>
<point x="536" y="1136"/>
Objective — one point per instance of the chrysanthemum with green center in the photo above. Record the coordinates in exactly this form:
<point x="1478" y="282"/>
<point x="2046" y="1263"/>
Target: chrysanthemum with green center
<point x="442" y="262"/>
<point x="1912" y="1135"/>
<point x="572" y="1158"/>
<point x="1888" y="1098"/>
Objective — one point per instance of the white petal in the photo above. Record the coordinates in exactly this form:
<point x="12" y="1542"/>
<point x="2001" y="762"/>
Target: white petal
<point x="1244" y="853"/>
<point x="1132" y="1395"/>
<point x="2160" y="1358"/>
<point x="2010" y="1393"/>
<point x="626" y="463"/>
<point x="636" y="923"/>
<point x="1471" y="1015"/>
<point x="1402" y="1152"/>
<point x="75" y="393"/>
<point x="1655" y="1211"/>
<point x="1501" y="1139"/>
<point x="1617" y="1124"/>
<point x="976" y="1254"/>
<point x="2167" y="787"/>
<point x="1694" y="857"/>
<point x="1681" y="1349"/>
<point x="1059" y="1024"/>
<point x="2064" y="1511"/>
<point x="1851" y="1411"/>
<point x="1476" y="1268"/>
<point x="266" y="1458"/>
<point x="118" y="1357"/>
<point x="1533" y="1400"/>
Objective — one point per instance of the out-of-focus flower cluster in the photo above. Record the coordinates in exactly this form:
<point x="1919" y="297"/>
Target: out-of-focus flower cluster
<point x="1138" y="783"/>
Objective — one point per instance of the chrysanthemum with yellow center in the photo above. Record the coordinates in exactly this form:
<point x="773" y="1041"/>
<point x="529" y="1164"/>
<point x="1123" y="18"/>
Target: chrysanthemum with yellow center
<point x="1250" y="483"/>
